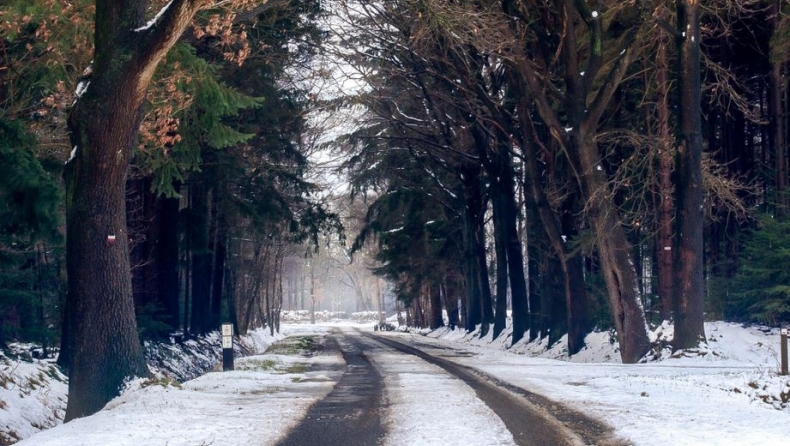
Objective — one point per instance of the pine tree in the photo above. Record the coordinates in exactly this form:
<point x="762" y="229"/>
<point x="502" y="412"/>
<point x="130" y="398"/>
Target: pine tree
<point x="760" y="291"/>
<point x="29" y="203"/>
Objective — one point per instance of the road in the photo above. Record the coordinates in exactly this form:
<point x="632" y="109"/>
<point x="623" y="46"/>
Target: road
<point x="354" y="412"/>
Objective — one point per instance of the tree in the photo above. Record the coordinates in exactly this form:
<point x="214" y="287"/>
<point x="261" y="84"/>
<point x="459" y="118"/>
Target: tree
<point x="103" y="349"/>
<point x="29" y="201"/>
<point x="759" y="292"/>
<point x="589" y="75"/>
<point x="689" y="290"/>
<point x="778" y="101"/>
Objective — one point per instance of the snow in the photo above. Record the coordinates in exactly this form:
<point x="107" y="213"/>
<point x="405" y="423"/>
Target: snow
<point x="72" y="155"/>
<point x="26" y="388"/>
<point x="725" y="392"/>
<point x="82" y="87"/>
<point x="426" y="404"/>
<point x="156" y="18"/>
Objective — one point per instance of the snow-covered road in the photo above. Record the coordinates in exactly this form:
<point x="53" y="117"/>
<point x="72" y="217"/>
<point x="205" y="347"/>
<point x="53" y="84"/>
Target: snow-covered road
<point x="721" y="396"/>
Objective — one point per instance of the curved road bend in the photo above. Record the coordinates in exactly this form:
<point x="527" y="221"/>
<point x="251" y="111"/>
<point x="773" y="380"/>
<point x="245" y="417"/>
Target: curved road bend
<point x="351" y="413"/>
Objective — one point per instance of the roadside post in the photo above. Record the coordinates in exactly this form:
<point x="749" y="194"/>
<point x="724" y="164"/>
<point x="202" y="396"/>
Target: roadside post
<point x="783" y="348"/>
<point x="227" y="347"/>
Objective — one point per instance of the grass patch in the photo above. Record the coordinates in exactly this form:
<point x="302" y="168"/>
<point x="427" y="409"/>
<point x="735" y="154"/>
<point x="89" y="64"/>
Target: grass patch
<point x="296" y="368"/>
<point x="266" y="391"/>
<point x="298" y="345"/>
<point x="274" y="366"/>
<point x="260" y="364"/>
<point x="164" y="382"/>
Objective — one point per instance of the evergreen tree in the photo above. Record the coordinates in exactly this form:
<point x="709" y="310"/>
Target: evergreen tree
<point x="29" y="202"/>
<point x="760" y="291"/>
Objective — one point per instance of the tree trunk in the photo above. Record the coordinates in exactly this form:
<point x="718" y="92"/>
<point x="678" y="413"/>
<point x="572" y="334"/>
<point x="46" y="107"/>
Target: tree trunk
<point x="140" y="220"/>
<point x="578" y="323"/>
<point x="574" y="128"/>
<point x="380" y="301"/>
<point x="167" y="259"/>
<point x="218" y="251"/>
<point x="451" y="299"/>
<point x="106" y="350"/>
<point x="500" y="249"/>
<point x="573" y="279"/>
<point x="665" y="156"/>
<point x="103" y="124"/>
<point x="553" y="303"/>
<point x="614" y="251"/>
<point x="312" y="293"/>
<point x="689" y="284"/>
<point x="484" y="286"/>
<point x="472" y="214"/>
<point x="436" y="320"/>
<point x="515" y="259"/>
<point x="201" y="257"/>
<point x="535" y="234"/>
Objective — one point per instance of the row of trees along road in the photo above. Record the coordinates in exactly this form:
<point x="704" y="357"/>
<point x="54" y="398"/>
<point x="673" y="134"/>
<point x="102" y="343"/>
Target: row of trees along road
<point x="569" y="135"/>
<point x="581" y="164"/>
<point x="180" y="143"/>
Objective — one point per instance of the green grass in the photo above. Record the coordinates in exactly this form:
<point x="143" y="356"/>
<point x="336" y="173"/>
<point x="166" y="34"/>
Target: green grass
<point x="294" y="346"/>
<point x="296" y="368"/>
<point x="257" y="364"/>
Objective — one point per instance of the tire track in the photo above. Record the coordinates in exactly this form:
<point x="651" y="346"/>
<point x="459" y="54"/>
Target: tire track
<point x="532" y="419"/>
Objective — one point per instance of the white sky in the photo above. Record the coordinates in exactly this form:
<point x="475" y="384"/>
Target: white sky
<point x="711" y="399"/>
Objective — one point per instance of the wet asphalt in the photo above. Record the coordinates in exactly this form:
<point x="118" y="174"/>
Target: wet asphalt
<point x="351" y="413"/>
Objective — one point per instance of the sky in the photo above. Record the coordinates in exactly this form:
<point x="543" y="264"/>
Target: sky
<point x="727" y="392"/>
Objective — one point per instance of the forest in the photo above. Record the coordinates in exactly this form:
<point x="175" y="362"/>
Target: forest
<point x="561" y="166"/>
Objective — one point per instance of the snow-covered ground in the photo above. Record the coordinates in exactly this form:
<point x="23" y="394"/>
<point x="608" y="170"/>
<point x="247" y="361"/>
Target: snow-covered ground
<point x="727" y="392"/>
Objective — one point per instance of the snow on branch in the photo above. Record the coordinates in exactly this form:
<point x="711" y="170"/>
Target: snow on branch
<point x="156" y="18"/>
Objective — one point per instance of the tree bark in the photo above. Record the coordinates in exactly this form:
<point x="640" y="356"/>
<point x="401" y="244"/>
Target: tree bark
<point x="578" y="323"/>
<point x="436" y="320"/>
<point x="103" y="124"/>
<point x="689" y="284"/>
<point x="472" y="219"/>
<point x="515" y="260"/>
<point x="575" y="131"/>
<point x="218" y="252"/>
<point x="534" y="235"/>
<point x="167" y="259"/>
<point x="614" y="253"/>
<point x="141" y="224"/>
<point x="451" y="299"/>
<point x="552" y="304"/>
<point x="198" y="230"/>
<point x="500" y="250"/>
<point x="665" y="206"/>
